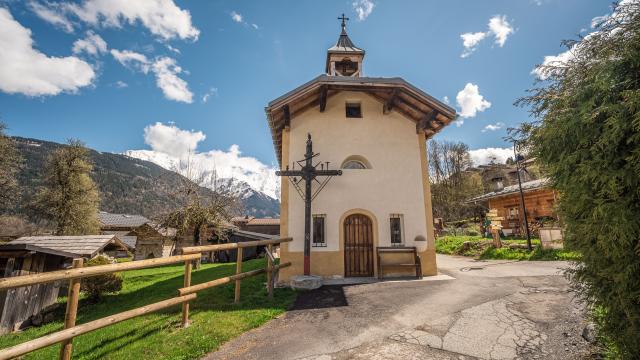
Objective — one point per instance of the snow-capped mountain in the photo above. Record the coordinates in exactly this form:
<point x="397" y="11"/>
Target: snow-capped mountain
<point x="258" y="190"/>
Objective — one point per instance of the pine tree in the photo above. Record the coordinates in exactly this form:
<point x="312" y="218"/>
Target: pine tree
<point x="69" y="198"/>
<point x="587" y="138"/>
<point x="10" y="162"/>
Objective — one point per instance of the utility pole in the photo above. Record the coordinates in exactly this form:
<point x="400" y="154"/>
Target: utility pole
<point x="308" y="174"/>
<point x="524" y="209"/>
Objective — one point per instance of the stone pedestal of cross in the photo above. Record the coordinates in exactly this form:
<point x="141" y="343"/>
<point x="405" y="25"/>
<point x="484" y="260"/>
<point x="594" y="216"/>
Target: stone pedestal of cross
<point x="308" y="173"/>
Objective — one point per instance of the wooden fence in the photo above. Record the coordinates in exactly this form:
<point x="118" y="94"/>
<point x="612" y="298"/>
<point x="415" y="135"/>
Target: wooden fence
<point x="185" y="294"/>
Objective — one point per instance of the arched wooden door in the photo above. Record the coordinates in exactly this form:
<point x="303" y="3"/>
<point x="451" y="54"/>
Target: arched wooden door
<point x="358" y="246"/>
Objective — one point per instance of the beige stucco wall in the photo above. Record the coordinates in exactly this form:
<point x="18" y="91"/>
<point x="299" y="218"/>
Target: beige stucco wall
<point x="394" y="184"/>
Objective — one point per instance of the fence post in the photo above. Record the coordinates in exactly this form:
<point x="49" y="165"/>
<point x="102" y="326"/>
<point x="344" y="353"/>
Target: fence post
<point x="238" y="271"/>
<point x="187" y="282"/>
<point x="270" y="271"/>
<point x="66" y="347"/>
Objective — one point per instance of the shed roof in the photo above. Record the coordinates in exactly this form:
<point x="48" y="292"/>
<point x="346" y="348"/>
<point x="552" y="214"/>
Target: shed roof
<point x="507" y="190"/>
<point x="254" y="235"/>
<point x="81" y="245"/>
<point x="430" y="114"/>
<point x="263" y="221"/>
<point x="35" y="248"/>
<point x="121" y="220"/>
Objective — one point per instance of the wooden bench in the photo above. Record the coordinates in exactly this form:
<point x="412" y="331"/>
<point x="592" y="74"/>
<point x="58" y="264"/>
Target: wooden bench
<point x="416" y="264"/>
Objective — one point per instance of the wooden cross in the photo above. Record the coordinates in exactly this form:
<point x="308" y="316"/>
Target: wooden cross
<point x="308" y="173"/>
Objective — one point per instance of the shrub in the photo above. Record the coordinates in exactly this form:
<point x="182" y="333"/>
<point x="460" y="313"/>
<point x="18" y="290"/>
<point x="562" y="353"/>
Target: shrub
<point x="587" y="138"/>
<point x="96" y="286"/>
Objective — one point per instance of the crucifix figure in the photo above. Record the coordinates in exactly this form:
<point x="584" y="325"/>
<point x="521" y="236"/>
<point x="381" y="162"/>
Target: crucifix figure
<point x="308" y="173"/>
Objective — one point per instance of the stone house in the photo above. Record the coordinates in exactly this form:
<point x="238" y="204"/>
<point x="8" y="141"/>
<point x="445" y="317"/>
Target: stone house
<point x="145" y="239"/>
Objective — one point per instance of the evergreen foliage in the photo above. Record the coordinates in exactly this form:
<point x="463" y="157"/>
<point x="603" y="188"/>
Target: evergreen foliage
<point x="587" y="137"/>
<point x="10" y="162"/>
<point x="96" y="286"/>
<point x="69" y="198"/>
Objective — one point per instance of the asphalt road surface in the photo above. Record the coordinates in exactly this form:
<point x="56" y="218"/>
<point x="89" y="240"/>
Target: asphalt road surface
<point x="474" y="310"/>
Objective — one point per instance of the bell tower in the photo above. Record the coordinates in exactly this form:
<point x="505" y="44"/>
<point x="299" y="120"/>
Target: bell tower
<point x="344" y="58"/>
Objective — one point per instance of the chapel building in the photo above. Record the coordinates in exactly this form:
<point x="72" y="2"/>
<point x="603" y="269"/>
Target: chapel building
<point x="375" y="130"/>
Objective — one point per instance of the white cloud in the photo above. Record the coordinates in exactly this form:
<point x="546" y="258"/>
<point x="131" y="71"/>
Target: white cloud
<point x="470" y="101"/>
<point x="172" y="140"/>
<point x="164" y="68"/>
<point x="490" y="155"/>
<point x="52" y="14"/>
<point x="175" y="50"/>
<point x="542" y="71"/>
<point x="121" y="84"/>
<point x="172" y="148"/>
<point x="132" y="59"/>
<point x="500" y="28"/>
<point x="26" y="70"/>
<point x="236" y="17"/>
<point x="446" y="100"/>
<point x="92" y="44"/>
<point x="493" y="127"/>
<point x="212" y="92"/>
<point x="363" y="8"/>
<point x="173" y="87"/>
<point x="162" y="17"/>
<point x="470" y="42"/>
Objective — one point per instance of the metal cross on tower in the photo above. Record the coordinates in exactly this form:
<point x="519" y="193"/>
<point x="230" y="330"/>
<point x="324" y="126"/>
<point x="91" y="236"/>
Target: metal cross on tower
<point x="344" y="20"/>
<point x="308" y="173"/>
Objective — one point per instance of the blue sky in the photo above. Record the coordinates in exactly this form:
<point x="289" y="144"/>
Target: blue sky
<point x="241" y="54"/>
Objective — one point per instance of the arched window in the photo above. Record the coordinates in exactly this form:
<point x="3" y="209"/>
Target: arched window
<point x="355" y="162"/>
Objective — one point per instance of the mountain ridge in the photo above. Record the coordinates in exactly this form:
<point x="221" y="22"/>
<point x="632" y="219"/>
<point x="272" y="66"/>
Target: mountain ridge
<point x="130" y="185"/>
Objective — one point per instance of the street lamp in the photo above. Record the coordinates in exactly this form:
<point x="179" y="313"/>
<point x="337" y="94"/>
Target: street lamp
<point x="519" y="158"/>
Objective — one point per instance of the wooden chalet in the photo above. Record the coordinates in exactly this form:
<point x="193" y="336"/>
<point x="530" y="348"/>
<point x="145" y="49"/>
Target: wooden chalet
<point x="539" y="201"/>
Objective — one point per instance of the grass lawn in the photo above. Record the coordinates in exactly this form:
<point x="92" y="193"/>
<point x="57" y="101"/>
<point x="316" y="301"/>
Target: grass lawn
<point x="481" y="248"/>
<point x="214" y="317"/>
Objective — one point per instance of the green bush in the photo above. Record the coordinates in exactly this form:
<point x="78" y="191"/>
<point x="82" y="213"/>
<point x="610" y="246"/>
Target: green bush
<point x="96" y="286"/>
<point x="587" y="138"/>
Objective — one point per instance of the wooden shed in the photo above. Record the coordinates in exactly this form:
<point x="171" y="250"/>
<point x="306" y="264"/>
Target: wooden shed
<point x="17" y="306"/>
<point x="37" y="254"/>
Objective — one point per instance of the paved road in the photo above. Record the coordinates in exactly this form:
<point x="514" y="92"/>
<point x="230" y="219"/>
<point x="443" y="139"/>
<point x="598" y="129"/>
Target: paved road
<point x="483" y="310"/>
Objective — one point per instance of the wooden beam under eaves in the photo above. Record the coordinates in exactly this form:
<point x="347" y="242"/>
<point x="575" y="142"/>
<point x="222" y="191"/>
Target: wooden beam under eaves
<point x="426" y="122"/>
<point x="323" y="97"/>
<point x="388" y="106"/>
<point x="286" y="115"/>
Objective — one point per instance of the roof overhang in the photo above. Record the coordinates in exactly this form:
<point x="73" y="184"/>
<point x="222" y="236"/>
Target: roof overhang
<point x="428" y="113"/>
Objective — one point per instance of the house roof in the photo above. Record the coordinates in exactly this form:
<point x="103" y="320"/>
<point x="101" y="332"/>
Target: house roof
<point x="121" y="220"/>
<point x="34" y="248"/>
<point x="82" y="245"/>
<point x="430" y="114"/>
<point x="254" y="235"/>
<point x="264" y="221"/>
<point x="345" y="45"/>
<point x="507" y="190"/>
<point x="129" y="240"/>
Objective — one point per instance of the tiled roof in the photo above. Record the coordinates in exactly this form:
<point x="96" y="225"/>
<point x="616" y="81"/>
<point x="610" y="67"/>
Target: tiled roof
<point x="121" y="220"/>
<point x="264" y="221"/>
<point x="82" y="245"/>
<point x="526" y="186"/>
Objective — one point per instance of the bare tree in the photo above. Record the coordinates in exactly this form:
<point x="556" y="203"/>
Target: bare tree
<point x="201" y="210"/>
<point x="451" y="185"/>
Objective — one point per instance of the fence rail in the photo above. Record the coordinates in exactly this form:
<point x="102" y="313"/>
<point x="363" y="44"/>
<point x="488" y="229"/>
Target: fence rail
<point x="185" y="294"/>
